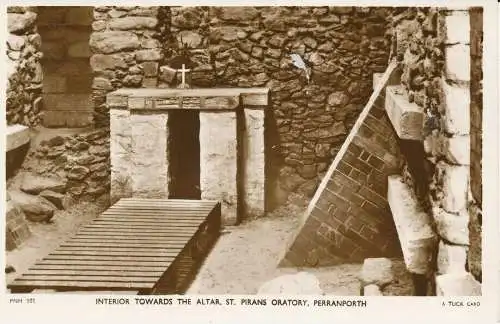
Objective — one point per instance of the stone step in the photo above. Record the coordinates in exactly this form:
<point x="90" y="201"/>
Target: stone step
<point x="406" y="117"/>
<point x="413" y="225"/>
<point x="17" y="136"/>
<point x="457" y="284"/>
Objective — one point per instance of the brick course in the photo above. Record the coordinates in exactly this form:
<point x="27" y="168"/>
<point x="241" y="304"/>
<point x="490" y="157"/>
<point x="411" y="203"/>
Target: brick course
<point x="350" y="220"/>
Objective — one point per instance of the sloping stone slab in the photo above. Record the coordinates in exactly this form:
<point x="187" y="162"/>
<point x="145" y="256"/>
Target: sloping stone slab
<point x="457" y="284"/>
<point x="406" y="117"/>
<point x="414" y="227"/>
<point x="17" y="135"/>
<point x="34" y="184"/>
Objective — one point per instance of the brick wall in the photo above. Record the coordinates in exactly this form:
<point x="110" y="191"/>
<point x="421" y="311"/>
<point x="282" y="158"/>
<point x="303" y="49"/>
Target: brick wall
<point x="349" y="217"/>
<point x="65" y="33"/>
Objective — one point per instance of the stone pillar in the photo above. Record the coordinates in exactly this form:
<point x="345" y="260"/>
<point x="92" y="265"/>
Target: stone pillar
<point x="254" y="163"/>
<point x="120" y="152"/>
<point x="149" y="163"/>
<point x="218" y="160"/>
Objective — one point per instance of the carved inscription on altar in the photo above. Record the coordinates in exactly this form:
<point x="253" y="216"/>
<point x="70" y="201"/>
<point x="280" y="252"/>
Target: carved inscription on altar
<point x="191" y="102"/>
<point x="162" y="103"/>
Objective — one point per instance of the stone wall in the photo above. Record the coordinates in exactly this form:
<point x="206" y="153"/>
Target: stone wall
<point x="81" y="161"/>
<point x="65" y="33"/>
<point x="24" y="70"/>
<point x="250" y="47"/>
<point x="434" y="48"/>
<point x="125" y="51"/>
<point x="476" y="149"/>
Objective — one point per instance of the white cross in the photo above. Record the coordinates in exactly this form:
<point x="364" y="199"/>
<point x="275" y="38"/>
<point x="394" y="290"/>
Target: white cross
<point x="183" y="73"/>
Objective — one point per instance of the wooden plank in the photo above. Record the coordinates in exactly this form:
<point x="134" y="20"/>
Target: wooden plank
<point x="108" y="258"/>
<point x="163" y="207"/>
<point x="180" y="230"/>
<point x="118" y="248"/>
<point x="102" y="273"/>
<point x="145" y="227"/>
<point x="127" y="240"/>
<point x="121" y="245"/>
<point x="101" y="279"/>
<point x="171" y="250"/>
<point x="162" y="213"/>
<point x="103" y="235"/>
<point x="139" y="219"/>
<point x="163" y="262"/>
<point x="86" y="267"/>
<point x="171" y="202"/>
<point x="109" y="255"/>
<point x="56" y="284"/>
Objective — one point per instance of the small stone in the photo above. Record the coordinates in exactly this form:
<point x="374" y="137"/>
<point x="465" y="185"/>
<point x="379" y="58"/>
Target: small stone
<point x="127" y="23"/>
<point x="377" y="271"/>
<point x="78" y="172"/>
<point x="56" y="141"/>
<point x="16" y="43"/>
<point x="239" y="14"/>
<point x="150" y="69"/>
<point x="132" y="80"/>
<point x="150" y="43"/>
<point x="99" y="25"/>
<point x="108" y="42"/>
<point x="19" y="23"/>
<point x="189" y="38"/>
<point x="80" y="146"/>
<point x="100" y="83"/>
<point x="451" y="227"/>
<point x="372" y="290"/>
<point x="148" y="55"/>
<point x="167" y="74"/>
<point x="457" y="284"/>
<point x="54" y="197"/>
<point x="100" y="62"/>
<point x="338" y="98"/>
<point x="34" y="184"/>
<point x="257" y="52"/>
<point x="310" y="42"/>
<point x="301" y="283"/>
<point x="9" y="269"/>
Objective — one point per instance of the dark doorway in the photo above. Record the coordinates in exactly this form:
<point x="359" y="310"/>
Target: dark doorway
<point x="184" y="154"/>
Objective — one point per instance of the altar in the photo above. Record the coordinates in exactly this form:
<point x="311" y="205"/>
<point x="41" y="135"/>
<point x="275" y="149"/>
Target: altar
<point x="156" y="134"/>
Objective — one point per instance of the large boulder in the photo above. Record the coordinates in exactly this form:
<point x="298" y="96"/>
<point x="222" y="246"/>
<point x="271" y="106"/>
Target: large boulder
<point x="34" y="184"/>
<point x="301" y="283"/>
<point x="108" y="42"/>
<point x="36" y="208"/>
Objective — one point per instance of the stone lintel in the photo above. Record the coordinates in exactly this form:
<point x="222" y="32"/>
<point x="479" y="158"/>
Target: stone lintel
<point x="457" y="284"/>
<point x="203" y="99"/>
<point x="406" y="117"/>
<point x="17" y="136"/>
<point x="413" y="226"/>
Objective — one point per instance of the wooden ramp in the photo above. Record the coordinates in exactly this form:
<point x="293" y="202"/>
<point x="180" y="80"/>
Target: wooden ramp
<point x="145" y="246"/>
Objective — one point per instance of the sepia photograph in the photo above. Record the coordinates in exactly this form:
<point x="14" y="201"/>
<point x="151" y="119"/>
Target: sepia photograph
<point x="258" y="150"/>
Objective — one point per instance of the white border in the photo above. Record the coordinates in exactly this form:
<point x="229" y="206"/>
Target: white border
<point x="82" y="308"/>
